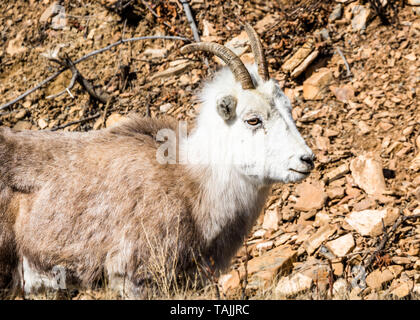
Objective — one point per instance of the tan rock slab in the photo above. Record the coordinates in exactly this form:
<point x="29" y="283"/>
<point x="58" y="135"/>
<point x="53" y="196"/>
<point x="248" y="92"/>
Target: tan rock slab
<point x="318" y="238"/>
<point x="271" y="219"/>
<point x="369" y="222"/>
<point x="341" y="246"/>
<point x="299" y="56"/>
<point x="156" y="52"/>
<point x="401" y="260"/>
<point x="15" y="46"/>
<point x="415" y="163"/>
<point x="49" y="12"/>
<point x="367" y="173"/>
<point x="313" y="115"/>
<point x="344" y="93"/>
<point x="21" y="114"/>
<point x="315" y="87"/>
<point x="311" y="196"/>
<point x="413" y="2"/>
<point x="402" y="290"/>
<point x="230" y="281"/>
<point x="340" y="288"/>
<point x="336" y="173"/>
<point x="336" y="193"/>
<point x="265" y="245"/>
<point x="364" y="204"/>
<point x="42" y="123"/>
<point x="361" y="15"/>
<point x="305" y="64"/>
<point x="338" y="269"/>
<point x="377" y="278"/>
<point x="396" y="270"/>
<point x="363" y="127"/>
<point x="278" y="259"/>
<point x="303" y="234"/>
<point x="321" y="218"/>
<point x="261" y="280"/>
<point x="292" y="286"/>
<point x="239" y="45"/>
<point x="283" y="239"/>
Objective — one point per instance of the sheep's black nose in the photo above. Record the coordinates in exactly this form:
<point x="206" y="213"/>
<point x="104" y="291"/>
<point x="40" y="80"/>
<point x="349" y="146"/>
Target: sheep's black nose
<point x="309" y="160"/>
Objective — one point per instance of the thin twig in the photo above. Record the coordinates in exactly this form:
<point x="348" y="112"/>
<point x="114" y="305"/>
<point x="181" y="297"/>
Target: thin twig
<point x="349" y="74"/>
<point x="380" y="247"/>
<point x="210" y="274"/>
<point x="190" y="18"/>
<point x="104" y="97"/>
<point x="91" y="54"/>
<point x="8" y="112"/>
<point x="245" y="283"/>
<point x="66" y="90"/>
<point x="23" y="282"/>
<point x="76" y="122"/>
<point x="155" y="14"/>
<point x="105" y="112"/>
<point x="331" y="278"/>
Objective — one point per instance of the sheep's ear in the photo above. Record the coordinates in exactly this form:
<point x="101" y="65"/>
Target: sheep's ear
<point x="226" y="107"/>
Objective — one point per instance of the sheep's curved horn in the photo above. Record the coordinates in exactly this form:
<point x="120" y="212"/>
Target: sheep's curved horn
<point x="258" y="51"/>
<point x="235" y="64"/>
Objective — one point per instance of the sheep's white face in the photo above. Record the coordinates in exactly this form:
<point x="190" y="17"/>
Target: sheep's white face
<point x="269" y="146"/>
<point x="253" y="130"/>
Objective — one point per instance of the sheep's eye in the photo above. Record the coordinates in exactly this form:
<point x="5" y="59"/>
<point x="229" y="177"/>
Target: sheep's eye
<point x="253" y="121"/>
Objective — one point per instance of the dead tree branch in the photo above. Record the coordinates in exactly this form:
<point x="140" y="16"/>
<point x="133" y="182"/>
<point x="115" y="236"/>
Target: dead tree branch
<point x="76" y="122"/>
<point x="77" y="76"/>
<point x="190" y="18"/>
<point x="91" y="54"/>
<point x="155" y="14"/>
<point x="380" y="247"/>
<point x="349" y="74"/>
<point x="69" y="87"/>
<point x="245" y="280"/>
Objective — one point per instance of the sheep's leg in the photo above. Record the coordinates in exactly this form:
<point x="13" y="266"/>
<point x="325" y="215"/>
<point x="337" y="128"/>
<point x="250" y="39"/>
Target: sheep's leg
<point x="35" y="280"/>
<point x="8" y="254"/>
<point x="131" y="289"/>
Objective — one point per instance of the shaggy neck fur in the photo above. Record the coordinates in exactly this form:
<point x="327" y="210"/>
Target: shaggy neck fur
<point x="225" y="209"/>
<point x="229" y="202"/>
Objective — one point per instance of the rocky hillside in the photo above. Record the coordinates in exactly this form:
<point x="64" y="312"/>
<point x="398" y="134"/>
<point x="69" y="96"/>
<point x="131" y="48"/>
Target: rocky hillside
<point x="351" y="69"/>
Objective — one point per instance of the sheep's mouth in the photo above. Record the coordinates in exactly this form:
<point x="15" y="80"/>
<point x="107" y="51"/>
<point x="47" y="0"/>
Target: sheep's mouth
<point x="301" y="172"/>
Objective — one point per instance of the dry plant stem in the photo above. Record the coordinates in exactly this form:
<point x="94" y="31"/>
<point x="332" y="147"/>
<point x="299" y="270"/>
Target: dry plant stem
<point x="69" y="87"/>
<point x="190" y="18"/>
<point x="349" y="74"/>
<point x="105" y="112"/>
<point x="23" y="282"/>
<point x="91" y="54"/>
<point x="245" y="283"/>
<point x="154" y="13"/>
<point x="331" y="278"/>
<point x="386" y="237"/>
<point x="104" y="98"/>
<point x="76" y="122"/>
